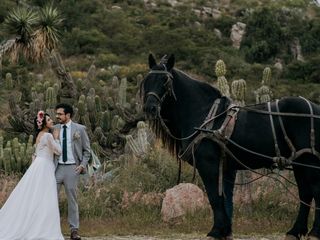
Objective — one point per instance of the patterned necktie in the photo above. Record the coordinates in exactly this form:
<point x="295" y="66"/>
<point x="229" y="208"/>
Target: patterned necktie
<point x="64" y="144"/>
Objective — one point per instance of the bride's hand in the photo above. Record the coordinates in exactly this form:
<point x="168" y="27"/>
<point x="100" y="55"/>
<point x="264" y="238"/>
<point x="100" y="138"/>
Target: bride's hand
<point x="56" y="133"/>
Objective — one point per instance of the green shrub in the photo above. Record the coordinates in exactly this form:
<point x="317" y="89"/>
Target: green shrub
<point x="106" y="59"/>
<point x="263" y="38"/>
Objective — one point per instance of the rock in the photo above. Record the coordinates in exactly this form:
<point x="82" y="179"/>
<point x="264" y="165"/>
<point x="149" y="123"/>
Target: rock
<point x="218" y="33"/>
<point x="237" y="32"/>
<point x="181" y="199"/>
<point x="296" y="50"/>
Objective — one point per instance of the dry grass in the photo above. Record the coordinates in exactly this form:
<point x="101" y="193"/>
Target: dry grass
<point x="102" y="213"/>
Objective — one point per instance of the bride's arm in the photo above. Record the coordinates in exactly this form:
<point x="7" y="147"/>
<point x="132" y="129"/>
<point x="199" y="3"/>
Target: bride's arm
<point x="54" y="145"/>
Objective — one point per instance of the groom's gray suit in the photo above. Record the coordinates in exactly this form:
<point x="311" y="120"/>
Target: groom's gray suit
<point x="65" y="171"/>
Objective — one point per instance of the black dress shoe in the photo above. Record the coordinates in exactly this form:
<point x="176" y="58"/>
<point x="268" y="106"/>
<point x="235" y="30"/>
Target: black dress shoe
<point x="74" y="235"/>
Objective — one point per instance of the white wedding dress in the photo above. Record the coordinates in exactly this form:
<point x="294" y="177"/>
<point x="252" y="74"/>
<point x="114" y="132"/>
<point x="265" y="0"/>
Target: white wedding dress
<point x="31" y="212"/>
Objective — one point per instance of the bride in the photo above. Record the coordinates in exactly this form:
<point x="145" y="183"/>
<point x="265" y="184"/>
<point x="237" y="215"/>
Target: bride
<point x="31" y="212"/>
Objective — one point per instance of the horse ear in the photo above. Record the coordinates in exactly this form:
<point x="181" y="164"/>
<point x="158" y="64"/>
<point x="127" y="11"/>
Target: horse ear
<point x="170" y="62"/>
<point x="152" y="61"/>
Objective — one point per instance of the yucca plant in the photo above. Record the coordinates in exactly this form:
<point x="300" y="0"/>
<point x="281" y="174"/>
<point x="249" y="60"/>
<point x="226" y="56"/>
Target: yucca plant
<point x="34" y="32"/>
<point x="48" y="34"/>
<point x="20" y="22"/>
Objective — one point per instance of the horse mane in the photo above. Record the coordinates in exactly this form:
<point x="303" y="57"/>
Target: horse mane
<point x="161" y="129"/>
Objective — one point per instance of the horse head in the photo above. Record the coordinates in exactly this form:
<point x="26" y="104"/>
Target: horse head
<point x="157" y="85"/>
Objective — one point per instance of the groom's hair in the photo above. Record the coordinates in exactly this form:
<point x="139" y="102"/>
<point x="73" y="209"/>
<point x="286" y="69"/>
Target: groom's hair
<point x="66" y="107"/>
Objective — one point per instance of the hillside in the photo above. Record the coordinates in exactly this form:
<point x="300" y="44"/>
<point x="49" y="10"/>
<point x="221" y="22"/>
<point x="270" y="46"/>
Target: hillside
<point x="104" y="46"/>
<point x="198" y="32"/>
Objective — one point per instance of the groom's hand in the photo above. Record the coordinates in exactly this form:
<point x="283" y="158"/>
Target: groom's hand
<point x="79" y="169"/>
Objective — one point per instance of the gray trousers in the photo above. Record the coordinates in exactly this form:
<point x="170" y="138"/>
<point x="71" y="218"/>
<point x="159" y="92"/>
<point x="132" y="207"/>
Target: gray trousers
<point x="66" y="175"/>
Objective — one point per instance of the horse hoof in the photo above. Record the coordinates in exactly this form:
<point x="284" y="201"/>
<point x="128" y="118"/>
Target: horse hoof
<point x="312" y="238"/>
<point x="290" y="237"/>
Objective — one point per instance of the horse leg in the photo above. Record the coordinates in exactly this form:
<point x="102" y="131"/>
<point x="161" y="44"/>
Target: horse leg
<point x="208" y="168"/>
<point x="300" y="227"/>
<point x="314" y="234"/>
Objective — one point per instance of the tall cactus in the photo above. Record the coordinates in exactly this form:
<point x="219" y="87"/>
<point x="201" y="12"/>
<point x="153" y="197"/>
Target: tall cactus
<point x="1" y="152"/>
<point x="142" y="137"/>
<point x="106" y="120"/>
<point x="123" y="92"/>
<point x="139" y="146"/>
<point x="238" y="90"/>
<point x="266" y="76"/>
<point x="91" y="73"/>
<point x="133" y="145"/>
<point x="264" y="93"/>
<point x="222" y="82"/>
<point x="16" y="156"/>
<point x="9" y="81"/>
<point x="50" y="97"/>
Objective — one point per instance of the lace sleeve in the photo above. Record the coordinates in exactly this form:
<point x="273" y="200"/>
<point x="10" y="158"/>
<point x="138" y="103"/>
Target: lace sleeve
<point x="54" y="145"/>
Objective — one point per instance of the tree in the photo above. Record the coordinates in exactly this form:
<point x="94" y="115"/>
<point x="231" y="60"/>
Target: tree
<point x="264" y="36"/>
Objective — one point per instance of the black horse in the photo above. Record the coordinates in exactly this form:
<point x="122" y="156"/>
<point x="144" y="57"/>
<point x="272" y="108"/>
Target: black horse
<point x="265" y="135"/>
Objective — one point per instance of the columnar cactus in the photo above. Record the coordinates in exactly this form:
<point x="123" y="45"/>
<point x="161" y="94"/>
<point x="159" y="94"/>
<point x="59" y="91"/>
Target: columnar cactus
<point x="15" y="157"/>
<point x="238" y="90"/>
<point x="9" y="81"/>
<point x="46" y="85"/>
<point x="91" y="73"/>
<point x="264" y="93"/>
<point x="266" y="76"/>
<point x="100" y="136"/>
<point x="68" y="89"/>
<point x="98" y="103"/>
<point x="139" y="146"/>
<point x="0" y="68"/>
<point x="114" y="91"/>
<point x="220" y="68"/>
<point x="50" y="97"/>
<point x="222" y="82"/>
<point x="142" y="137"/>
<point x="133" y="145"/>
<point x="123" y="92"/>
<point x="106" y="120"/>
<point x="1" y="152"/>
<point x="117" y="123"/>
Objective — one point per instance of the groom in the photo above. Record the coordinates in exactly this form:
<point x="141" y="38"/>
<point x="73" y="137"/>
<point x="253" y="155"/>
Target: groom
<point x="73" y="161"/>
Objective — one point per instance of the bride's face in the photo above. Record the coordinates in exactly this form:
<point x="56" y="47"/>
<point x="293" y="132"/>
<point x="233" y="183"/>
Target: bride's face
<point x="49" y="122"/>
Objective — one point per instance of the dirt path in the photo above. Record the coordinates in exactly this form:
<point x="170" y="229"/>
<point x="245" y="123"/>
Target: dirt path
<point x="182" y="237"/>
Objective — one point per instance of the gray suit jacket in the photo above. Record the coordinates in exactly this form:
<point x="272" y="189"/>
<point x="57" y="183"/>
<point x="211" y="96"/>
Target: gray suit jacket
<point x="80" y="144"/>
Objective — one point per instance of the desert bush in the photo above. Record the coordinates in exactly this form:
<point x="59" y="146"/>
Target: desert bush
<point x="263" y="38"/>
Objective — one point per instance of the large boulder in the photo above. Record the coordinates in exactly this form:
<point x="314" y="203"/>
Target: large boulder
<point x="237" y="32"/>
<point x="182" y="199"/>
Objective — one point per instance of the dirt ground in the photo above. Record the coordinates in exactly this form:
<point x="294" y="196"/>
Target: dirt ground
<point x="182" y="237"/>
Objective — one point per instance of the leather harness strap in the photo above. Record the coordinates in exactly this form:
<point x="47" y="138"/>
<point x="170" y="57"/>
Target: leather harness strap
<point x="276" y="146"/>
<point x="284" y="132"/>
<point x="222" y="136"/>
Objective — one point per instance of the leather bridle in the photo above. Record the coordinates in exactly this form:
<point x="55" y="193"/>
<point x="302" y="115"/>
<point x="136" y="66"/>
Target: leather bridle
<point x="168" y="85"/>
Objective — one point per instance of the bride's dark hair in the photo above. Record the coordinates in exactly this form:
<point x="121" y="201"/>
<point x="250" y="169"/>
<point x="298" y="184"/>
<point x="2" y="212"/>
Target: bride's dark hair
<point x="39" y="122"/>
